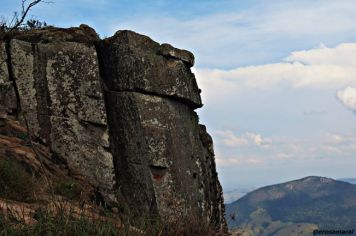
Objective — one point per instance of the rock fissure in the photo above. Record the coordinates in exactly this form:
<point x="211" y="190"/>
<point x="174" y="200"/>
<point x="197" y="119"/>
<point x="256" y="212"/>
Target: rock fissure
<point x="172" y="97"/>
<point x="11" y="75"/>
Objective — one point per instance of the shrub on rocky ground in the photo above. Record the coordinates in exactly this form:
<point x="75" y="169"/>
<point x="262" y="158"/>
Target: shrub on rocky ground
<point x="15" y="183"/>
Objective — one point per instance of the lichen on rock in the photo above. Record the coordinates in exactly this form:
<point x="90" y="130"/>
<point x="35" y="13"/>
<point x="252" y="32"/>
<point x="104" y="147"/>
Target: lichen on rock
<point x="133" y="62"/>
<point x="61" y="97"/>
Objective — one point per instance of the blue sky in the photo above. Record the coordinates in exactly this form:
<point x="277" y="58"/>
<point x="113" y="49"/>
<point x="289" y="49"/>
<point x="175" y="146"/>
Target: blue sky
<point x="278" y="77"/>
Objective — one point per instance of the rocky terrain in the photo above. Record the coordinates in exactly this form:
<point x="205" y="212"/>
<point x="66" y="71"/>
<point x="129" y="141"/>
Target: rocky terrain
<point x="295" y="208"/>
<point x="106" y="124"/>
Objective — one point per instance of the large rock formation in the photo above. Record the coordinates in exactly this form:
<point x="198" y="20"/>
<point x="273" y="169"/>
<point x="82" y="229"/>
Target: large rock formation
<point x="59" y="87"/>
<point x="120" y="113"/>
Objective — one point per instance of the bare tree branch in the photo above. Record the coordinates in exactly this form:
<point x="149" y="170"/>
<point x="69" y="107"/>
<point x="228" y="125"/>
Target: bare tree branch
<point x="25" y="10"/>
<point x="18" y="19"/>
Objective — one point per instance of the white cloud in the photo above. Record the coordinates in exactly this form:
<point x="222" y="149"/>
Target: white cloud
<point x="283" y="156"/>
<point x="229" y="139"/>
<point x="343" y="54"/>
<point x="331" y="147"/>
<point x="215" y="88"/>
<point x="348" y="97"/>
<point x="335" y="138"/>
<point x="223" y="161"/>
<point x="254" y="161"/>
<point x="343" y="144"/>
<point x="317" y="68"/>
<point x="238" y="160"/>
<point x="257" y="138"/>
<point x="346" y="140"/>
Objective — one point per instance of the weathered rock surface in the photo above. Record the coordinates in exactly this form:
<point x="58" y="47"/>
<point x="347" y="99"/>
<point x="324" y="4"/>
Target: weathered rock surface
<point x="133" y="62"/>
<point x="161" y="139"/>
<point x="169" y="51"/>
<point x="7" y="93"/>
<point x="82" y="34"/>
<point x="62" y="100"/>
<point x="130" y="130"/>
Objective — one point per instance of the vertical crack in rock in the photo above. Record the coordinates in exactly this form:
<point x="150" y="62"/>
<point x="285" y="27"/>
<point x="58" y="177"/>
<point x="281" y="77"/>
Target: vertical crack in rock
<point x="43" y="99"/>
<point x="130" y="159"/>
<point x="11" y="75"/>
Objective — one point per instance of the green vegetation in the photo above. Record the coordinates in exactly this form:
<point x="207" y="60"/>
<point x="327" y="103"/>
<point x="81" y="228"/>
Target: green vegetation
<point x="65" y="224"/>
<point x="185" y="227"/>
<point x="23" y="136"/>
<point x="15" y="182"/>
<point x="262" y="224"/>
<point x="62" y="224"/>
<point x="68" y="189"/>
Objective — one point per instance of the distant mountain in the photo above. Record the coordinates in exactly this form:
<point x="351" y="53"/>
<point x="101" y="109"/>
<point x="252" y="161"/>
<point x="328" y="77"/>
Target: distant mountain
<point x="235" y="194"/>
<point x="295" y="208"/>
<point x="348" y="180"/>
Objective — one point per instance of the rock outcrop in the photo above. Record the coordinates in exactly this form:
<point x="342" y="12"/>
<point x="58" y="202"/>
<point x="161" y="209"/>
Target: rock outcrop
<point x="120" y="113"/>
<point x="56" y="73"/>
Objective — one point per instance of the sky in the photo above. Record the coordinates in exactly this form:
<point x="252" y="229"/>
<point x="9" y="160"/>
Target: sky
<point x="278" y="77"/>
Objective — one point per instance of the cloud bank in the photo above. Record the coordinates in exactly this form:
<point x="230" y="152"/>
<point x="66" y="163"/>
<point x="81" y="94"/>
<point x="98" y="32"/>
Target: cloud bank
<point x="319" y="68"/>
<point x="348" y="97"/>
<point x="230" y="139"/>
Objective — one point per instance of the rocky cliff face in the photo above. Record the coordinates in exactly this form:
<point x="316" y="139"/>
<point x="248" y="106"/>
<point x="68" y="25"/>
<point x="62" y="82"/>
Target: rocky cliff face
<point x="120" y="113"/>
